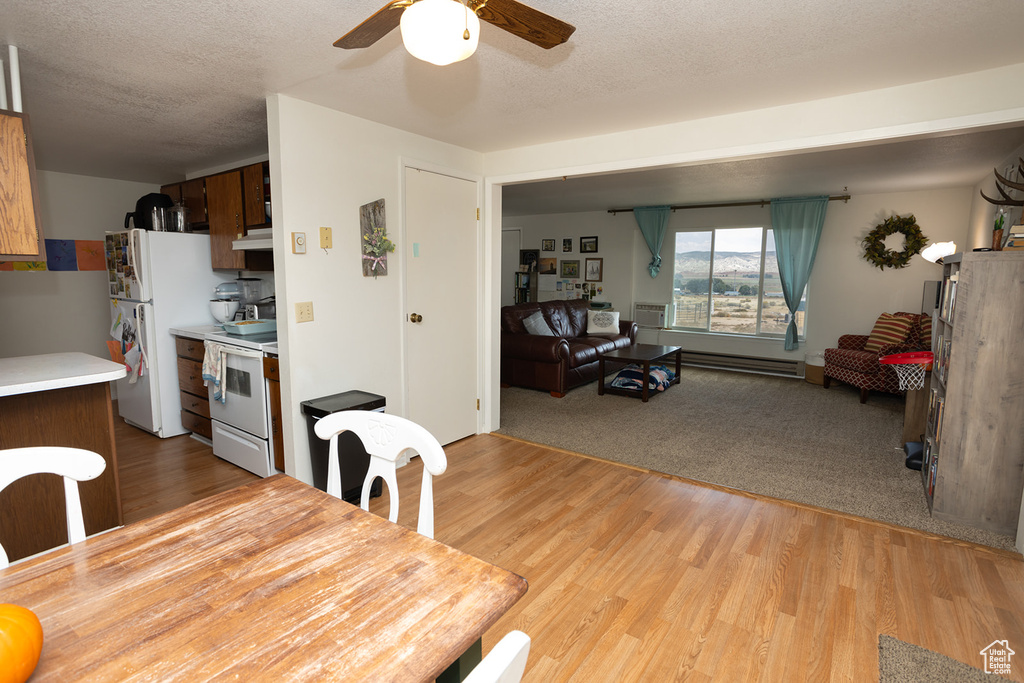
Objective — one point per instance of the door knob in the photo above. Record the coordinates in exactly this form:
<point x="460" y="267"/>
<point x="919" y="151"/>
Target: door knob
<point x="415" y="317"/>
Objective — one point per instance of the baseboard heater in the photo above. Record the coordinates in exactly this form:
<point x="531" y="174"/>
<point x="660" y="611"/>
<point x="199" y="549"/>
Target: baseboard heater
<point x="768" y="366"/>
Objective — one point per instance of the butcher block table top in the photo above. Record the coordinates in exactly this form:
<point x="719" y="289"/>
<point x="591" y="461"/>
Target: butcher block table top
<point x="274" y="580"/>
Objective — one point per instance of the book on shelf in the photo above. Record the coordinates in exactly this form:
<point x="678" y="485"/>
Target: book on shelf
<point x="940" y="404"/>
<point x="1015" y="239"/>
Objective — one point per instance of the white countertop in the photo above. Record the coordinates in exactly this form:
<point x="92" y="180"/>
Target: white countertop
<point x="216" y="333"/>
<point x="26" y="374"/>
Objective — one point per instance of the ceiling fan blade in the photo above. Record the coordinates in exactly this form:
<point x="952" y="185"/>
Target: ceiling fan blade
<point x="384" y="21"/>
<point x="527" y="23"/>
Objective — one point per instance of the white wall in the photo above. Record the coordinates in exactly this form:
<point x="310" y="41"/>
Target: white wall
<point x="982" y="212"/>
<point x="614" y="245"/>
<point x="846" y="293"/>
<point x="57" y="311"/>
<point x="324" y="166"/>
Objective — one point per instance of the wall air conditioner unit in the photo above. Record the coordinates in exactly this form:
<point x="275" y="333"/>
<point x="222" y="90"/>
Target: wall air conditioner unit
<point x="651" y="315"/>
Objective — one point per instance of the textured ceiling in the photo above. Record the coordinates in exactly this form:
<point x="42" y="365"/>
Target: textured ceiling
<point x="150" y="91"/>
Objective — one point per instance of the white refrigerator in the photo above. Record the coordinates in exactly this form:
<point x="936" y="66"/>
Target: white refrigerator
<point x="156" y="281"/>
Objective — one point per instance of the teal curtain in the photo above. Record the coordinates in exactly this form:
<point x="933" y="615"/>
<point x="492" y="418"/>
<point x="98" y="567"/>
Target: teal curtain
<point x="652" y="221"/>
<point x="796" y="224"/>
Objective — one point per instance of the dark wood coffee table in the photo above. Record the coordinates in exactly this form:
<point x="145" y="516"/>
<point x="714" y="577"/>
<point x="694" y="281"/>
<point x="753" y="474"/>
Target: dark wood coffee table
<point x="637" y="353"/>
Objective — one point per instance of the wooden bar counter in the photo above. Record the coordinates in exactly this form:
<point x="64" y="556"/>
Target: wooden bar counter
<point x="58" y="399"/>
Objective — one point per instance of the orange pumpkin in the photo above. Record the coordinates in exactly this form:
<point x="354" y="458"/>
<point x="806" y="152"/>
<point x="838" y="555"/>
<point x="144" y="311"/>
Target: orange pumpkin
<point x="21" y="642"/>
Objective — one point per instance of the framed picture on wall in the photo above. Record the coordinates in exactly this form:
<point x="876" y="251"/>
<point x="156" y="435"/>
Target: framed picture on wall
<point x="547" y="265"/>
<point x="528" y="258"/>
<point x="547" y="245"/>
<point x="594" y="269"/>
<point x="570" y="269"/>
<point x="588" y="245"/>
<point x="567" y="244"/>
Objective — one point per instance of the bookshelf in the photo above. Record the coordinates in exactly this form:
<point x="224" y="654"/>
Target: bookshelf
<point x="526" y="287"/>
<point x="973" y="461"/>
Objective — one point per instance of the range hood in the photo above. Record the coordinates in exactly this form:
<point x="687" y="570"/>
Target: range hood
<point x="258" y="239"/>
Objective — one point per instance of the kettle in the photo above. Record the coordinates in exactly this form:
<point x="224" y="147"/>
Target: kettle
<point x="150" y="212"/>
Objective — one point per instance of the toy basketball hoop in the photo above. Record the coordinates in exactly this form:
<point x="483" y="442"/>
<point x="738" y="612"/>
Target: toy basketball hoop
<point x="910" y="367"/>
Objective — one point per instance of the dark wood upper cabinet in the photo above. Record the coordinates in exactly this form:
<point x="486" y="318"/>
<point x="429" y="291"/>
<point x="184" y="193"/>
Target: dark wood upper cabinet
<point x="255" y="189"/>
<point x="224" y="212"/>
<point x="21" y="231"/>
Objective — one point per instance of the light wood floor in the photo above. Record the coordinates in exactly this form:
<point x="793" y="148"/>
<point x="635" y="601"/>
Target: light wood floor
<point x="639" y="577"/>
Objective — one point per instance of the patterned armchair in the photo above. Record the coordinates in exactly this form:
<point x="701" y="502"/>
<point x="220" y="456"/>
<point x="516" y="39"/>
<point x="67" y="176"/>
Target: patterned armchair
<point x="855" y="362"/>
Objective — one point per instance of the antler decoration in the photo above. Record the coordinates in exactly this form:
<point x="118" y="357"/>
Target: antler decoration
<point x="1007" y="199"/>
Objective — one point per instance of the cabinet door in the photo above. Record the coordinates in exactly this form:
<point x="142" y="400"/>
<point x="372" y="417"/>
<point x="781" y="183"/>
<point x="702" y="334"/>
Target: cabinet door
<point x="193" y="196"/>
<point x="254" y="192"/>
<point x="270" y="370"/>
<point x="21" y="234"/>
<point x="224" y="211"/>
<point x="172" y="191"/>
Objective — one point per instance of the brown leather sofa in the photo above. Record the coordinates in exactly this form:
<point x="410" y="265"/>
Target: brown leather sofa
<point x="560" y="362"/>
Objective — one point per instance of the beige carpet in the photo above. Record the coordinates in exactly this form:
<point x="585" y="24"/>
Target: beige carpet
<point x="900" y="662"/>
<point x="774" y="436"/>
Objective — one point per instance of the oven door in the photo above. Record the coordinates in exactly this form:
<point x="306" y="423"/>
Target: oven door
<point x="245" y="405"/>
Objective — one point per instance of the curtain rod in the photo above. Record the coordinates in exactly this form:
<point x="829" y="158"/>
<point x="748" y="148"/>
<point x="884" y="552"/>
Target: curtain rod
<point x="760" y="202"/>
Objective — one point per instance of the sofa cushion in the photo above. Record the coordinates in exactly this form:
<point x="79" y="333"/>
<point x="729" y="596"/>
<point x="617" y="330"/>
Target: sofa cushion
<point x="888" y="330"/>
<point x="864" y="362"/>
<point x="602" y="322"/>
<point x="535" y="324"/>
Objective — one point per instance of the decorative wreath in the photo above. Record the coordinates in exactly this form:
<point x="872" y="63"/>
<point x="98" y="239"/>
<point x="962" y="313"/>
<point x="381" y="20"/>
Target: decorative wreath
<point x="874" y="244"/>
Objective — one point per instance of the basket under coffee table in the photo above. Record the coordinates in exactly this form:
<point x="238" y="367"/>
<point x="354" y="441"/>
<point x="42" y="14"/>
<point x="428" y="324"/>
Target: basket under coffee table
<point x="643" y="354"/>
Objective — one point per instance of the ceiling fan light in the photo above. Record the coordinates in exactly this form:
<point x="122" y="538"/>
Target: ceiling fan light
<point x="434" y="31"/>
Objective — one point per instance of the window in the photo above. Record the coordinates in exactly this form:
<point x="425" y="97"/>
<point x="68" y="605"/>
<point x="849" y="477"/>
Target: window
<point x="726" y="280"/>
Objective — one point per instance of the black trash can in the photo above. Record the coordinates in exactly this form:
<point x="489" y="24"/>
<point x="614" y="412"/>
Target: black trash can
<point x="353" y="458"/>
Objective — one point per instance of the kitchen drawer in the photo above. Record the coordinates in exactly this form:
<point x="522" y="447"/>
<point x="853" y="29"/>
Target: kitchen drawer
<point x="270" y="369"/>
<point x="197" y="423"/>
<point x="189" y="348"/>
<point x="200" y="405"/>
<point x="190" y="376"/>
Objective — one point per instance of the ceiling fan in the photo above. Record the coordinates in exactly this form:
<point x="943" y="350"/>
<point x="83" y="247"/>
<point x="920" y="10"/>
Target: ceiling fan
<point x="453" y="26"/>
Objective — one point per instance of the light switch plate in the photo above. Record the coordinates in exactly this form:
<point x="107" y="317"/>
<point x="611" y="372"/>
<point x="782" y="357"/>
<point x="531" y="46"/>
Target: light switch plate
<point x="326" y="242"/>
<point x="304" y="312"/>
<point x="298" y="243"/>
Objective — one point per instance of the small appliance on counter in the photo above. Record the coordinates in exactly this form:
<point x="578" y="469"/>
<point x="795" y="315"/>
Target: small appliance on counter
<point x="223" y="310"/>
<point x="150" y="212"/>
<point x="265" y="309"/>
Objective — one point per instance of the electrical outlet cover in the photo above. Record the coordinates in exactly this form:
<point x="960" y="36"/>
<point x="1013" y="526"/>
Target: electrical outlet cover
<point x="326" y="241"/>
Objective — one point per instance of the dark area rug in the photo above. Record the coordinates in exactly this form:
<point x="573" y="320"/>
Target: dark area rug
<point x="900" y="662"/>
<point x="775" y="436"/>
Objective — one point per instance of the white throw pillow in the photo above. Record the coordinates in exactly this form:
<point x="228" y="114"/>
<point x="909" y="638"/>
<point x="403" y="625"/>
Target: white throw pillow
<point x="536" y="324"/>
<point x="602" y="322"/>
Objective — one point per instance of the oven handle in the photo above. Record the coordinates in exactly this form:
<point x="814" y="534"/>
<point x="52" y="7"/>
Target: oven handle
<point x="246" y="353"/>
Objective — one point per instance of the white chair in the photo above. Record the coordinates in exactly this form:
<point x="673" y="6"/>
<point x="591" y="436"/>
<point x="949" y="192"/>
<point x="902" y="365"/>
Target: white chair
<point x="391" y="441"/>
<point x="74" y="464"/>
<point x="505" y="663"/>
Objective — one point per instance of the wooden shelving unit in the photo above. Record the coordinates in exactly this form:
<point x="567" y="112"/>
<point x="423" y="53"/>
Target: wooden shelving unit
<point x="526" y="287"/>
<point x="973" y="469"/>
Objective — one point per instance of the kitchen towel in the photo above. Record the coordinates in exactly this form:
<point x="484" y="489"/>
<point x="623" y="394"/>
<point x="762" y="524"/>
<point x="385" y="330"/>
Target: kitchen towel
<point x="213" y="369"/>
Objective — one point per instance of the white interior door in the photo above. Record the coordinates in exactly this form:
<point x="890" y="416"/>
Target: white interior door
<point x="442" y="256"/>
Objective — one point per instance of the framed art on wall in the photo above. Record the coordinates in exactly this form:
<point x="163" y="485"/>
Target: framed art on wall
<point x="570" y="269"/>
<point x="547" y="245"/>
<point x="567" y="244"/>
<point x="547" y="265"/>
<point x="588" y="245"/>
<point x="594" y="269"/>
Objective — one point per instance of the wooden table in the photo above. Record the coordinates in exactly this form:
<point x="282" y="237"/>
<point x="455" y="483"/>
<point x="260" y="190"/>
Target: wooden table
<point x="274" y="580"/>
<point x="637" y="353"/>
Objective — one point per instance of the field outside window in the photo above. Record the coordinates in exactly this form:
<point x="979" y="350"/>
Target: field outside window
<point x="726" y="280"/>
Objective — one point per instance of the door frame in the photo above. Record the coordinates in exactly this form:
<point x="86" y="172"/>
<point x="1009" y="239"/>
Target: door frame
<point x="483" y="286"/>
